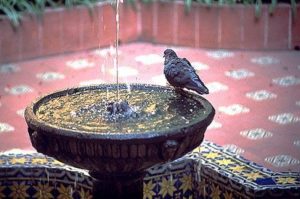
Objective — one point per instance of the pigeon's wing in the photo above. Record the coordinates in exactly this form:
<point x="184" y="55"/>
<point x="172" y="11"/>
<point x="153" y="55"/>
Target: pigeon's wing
<point x="187" y="61"/>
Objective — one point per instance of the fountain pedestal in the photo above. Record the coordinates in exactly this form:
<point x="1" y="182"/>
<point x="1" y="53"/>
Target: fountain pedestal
<point x="118" y="160"/>
<point x="128" y="185"/>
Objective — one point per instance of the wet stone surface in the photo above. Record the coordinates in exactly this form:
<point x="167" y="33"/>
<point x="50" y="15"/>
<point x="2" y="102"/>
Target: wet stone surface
<point x="137" y="111"/>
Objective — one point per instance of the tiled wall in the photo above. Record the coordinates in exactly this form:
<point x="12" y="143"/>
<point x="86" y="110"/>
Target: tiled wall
<point x="233" y="27"/>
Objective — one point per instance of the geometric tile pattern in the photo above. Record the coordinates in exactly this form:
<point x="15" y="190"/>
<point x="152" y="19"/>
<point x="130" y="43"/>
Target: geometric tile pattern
<point x="4" y="127"/>
<point x="239" y="74"/>
<point x="220" y="54"/>
<point x="200" y="66"/>
<point x="218" y="174"/>
<point x="234" y="109"/>
<point x="216" y="87"/>
<point x="284" y="118"/>
<point x="265" y="60"/>
<point x="19" y="89"/>
<point x="256" y="134"/>
<point x="286" y="81"/>
<point x="79" y="64"/>
<point x="9" y="68"/>
<point x="282" y="160"/>
<point x="50" y="76"/>
<point x="260" y="95"/>
<point x="149" y="59"/>
<point x="255" y="94"/>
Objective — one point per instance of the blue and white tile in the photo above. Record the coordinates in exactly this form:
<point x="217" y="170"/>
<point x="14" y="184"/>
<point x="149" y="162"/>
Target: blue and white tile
<point x="80" y="64"/>
<point x="256" y="134"/>
<point x="9" y="68"/>
<point x="282" y="160"/>
<point x="19" y="89"/>
<point x="265" y="60"/>
<point x="149" y="59"/>
<point x="239" y="74"/>
<point x="234" y="109"/>
<point x="261" y="95"/>
<point x="5" y="128"/>
<point x="284" y="118"/>
<point x="50" y="76"/>
<point x="215" y="87"/>
<point x="220" y="54"/>
<point x="286" y="81"/>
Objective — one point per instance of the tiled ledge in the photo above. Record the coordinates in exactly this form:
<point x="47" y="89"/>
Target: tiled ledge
<point x="233" y="27"/>
<point x="222" y="175"/>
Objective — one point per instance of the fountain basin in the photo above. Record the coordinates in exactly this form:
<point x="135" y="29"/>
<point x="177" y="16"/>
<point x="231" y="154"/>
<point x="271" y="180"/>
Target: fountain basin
<point x="119" y="159"/>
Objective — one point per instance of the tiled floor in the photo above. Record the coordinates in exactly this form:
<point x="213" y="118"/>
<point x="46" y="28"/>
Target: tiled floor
<point x="256" y="94"/>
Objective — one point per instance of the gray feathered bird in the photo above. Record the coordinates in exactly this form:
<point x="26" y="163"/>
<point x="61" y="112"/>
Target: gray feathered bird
<point x="180" y="73"/>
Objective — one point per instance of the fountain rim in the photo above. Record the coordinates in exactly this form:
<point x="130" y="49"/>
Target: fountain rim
<point x="38" y="124"/>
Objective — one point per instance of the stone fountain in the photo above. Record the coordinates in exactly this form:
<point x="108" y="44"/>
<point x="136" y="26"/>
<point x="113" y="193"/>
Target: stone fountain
<point x="75" y="127"/>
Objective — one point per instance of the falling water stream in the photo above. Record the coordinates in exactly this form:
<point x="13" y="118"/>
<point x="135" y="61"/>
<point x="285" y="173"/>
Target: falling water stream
<point x="117" y="47"/>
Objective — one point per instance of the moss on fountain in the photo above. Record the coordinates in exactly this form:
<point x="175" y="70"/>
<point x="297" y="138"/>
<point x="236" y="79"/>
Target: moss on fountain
<point x="150" y="110"/>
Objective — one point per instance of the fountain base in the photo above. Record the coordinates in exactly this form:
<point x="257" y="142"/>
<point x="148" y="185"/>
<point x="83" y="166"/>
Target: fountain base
<point x="118" y="186"/>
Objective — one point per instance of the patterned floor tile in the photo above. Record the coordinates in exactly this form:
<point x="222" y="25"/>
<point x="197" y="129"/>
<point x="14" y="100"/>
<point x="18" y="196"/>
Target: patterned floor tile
<point x="265" y="60"/>
<point x="261" y="95"/>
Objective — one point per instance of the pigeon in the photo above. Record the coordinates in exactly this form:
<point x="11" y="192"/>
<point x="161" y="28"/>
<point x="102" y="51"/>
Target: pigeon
<point x="180" y="73"/>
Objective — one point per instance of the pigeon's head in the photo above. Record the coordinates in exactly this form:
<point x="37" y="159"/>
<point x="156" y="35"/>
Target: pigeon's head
<point x="169" y="54"/>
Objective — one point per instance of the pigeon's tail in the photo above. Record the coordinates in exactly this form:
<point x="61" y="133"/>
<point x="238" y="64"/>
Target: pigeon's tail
<point x="199" y="87"/>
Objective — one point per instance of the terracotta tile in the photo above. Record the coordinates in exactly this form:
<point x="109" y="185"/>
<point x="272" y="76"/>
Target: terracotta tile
<point x="90" y="27"/>
<point x="296" y="29"/>
<point x="71" y="29"/>
<point x="10" y="42"/>
<point x="31" y="43"/>
<point x="254" y="28"/>
<point x="208" y="26"/>
<point x="108" y="28"/>
<point x="147" y="17"/>
<point x="52" y="32"/>
<point x="186" y="26"/>
<point x="165" y="23"/>
<point x="230" y="20"/>
<point x="278" y="28"/>
<point x="128" y="22"/>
